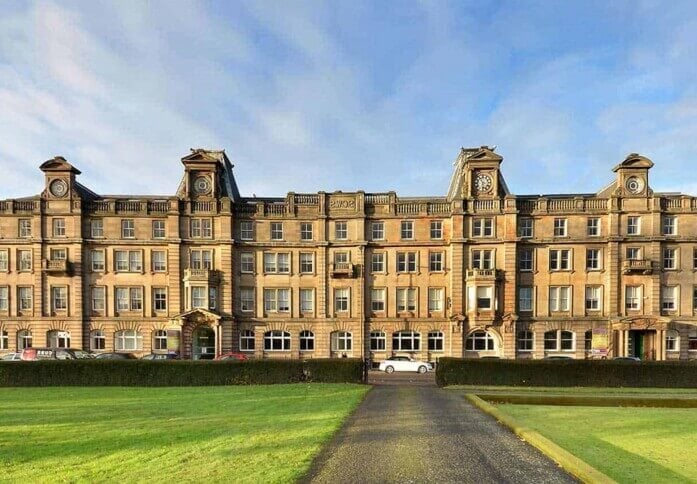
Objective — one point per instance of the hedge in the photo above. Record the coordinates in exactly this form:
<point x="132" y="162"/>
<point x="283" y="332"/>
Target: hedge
<point x="566" y="373"/>
<point x="177" y="373"/>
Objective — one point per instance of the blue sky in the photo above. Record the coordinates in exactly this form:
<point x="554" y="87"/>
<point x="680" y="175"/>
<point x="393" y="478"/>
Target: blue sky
<point x="346" y="95"/>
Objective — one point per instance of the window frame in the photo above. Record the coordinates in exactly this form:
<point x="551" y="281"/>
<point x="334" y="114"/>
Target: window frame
<point x="560" y="260"/>
<point x="594" y="263"/>
<point x="340" y="230"/>
<point x="128" y="228"/>
<point x="406" y="340"/>
<point x="377" y="227"/>
<point x="247" y="340"/>
<point x="483" y="227"/>
<point x="276" y="231"/>
<point x="633" y="225"/>
<point x="436" y="261"/>
<point x="406" y="230"/>
<point x="247" y="262"/>
<point x="247" y="230"/>
<point x="560" y="227"/>
<point x="593" y="227"/>
<point x="274" y="337"/>
<point x="159" y="299"/>
<point x="304" y="301"/>
<point x="382" y="262"/>
<point x="531" y="299"/>
<point x="525" y="341"/>
<point x="58" y="227"/>
<point x="435" y="341"/>
<point x="556" y="299"/>
<point x="436" y="299"/>
<point x="306" y="339"/>
<point x="379" y="304"/>
<point x="407" y="300"/>
<point x="672" y="226"/>
<point x="157" y="229"/>
<point x="436" y="230"/>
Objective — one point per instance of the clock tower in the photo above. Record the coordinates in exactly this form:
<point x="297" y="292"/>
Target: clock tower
<point x="477" y="175"/>
<point x="60" y="178"/>
<point x="633" y="176"/>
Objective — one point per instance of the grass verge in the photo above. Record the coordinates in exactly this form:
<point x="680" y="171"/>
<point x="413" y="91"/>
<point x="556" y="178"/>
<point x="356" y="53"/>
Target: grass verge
<point x="233" y="434"/>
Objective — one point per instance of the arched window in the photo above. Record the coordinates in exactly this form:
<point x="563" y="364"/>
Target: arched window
<point x="276" y="341"/>
<point x="559" y="340"/>
<point x="342" y="341"/>
<point x="58" y="339"/>
<point x="24" y="339"/>
<point x="672" y="341"/>
<point x="307" y="341"/>
<point x="128" y="340"/>
<point x="588" y="340"/>
<point x="4" y="340"/>
<point x="97" y="340"/>
<point x="526" y="340"/>
<point x="159" y="339"/>
<point x="435" y="341"/>
<point x="480" y="341"/>
<point x="377" y="341"/>
<point x="247" y="340"/>
<point x="406" y="341"/>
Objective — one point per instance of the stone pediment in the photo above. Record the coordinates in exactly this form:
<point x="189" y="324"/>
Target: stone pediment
<point x="634" y="160"/>
<point x="485" y="154"/>
<point x="58" y="164"/>
<point x="197" y="316"/>
<point x="204" y="156"/>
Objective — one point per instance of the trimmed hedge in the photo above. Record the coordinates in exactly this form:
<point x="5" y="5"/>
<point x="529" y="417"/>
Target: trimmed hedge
<point x="177" y="373"/>
<point x="566" y="373"/>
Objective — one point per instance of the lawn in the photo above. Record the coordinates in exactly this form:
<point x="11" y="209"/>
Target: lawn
<point x="627" y="444"/>
<point x="233" y="434"/>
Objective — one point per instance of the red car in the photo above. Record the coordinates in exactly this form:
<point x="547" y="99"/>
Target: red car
<point x="232" y="356"/>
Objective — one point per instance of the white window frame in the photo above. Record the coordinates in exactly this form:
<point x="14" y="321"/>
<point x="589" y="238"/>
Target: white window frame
<point x="436" y="299"/>
<point x="407" y="299"/>
<point x="406" y="341"/>
<point x="407" y="261"/>
<point x="59" y="298"/>
<point x="4" y="260"/>
<point x="526" y="227"/>
<point x="435" y="341"/>
<point x="525" y="263"/>
<point x="246" y="230"/>
<point x="128" y="228"/>
<point x="25" y="228"/>
<point x="98" y="299"/>
<point x="128" y="340"/>
<point x="275" y="298"/>
<point x="377" y="230"/>
<point x="378" y="340"/>
<point x="436" y="230"/>
<point x="97" y="264"/>
<point x="341" y="230"/>
<point x="560" y="259"/>
<point x="159" y="340"/>
<point x="25" y="298"/>
<point x="483" y="227"/>
<point x="58" y="227"/>
<point x="276" y="230"/>
<point x="201" y="259"/>
<point x="277" y="263"/>
<point x="247" y="299"/>
<point x="593" y="227"/>
<point x="559" y="299"/>
<point x="307" y="262"/>
<point x="25" y="263"/>
<point x="525" y="341"/>
<point x="560" y="227"/>
<point x="406" y="230"/>
<point x="377" y="262"/>
<point x="594" y="298"/>
<point x="158" y="265"/>
<point x="97" y="228"/>
<point x="483" y="259"/>
<point x="201" y="228"/>
<point x="247" y="262"/>
<point x="159" y="299"/>
<point x="669" y="225"/>
<point x="247" y="340"/>
<point x="307" y="340"/>
<point x="481" y="338"/>
<point x="341" y="341"/>
<point x="670" y="258"/>
<point x="378" y="303"/>
<point x="97" y="340"/>
<point x="435" y="261"/>
<point x="482" y="294"/>
<point x="526" y="299"/>
<point x="307" y="300"/>
<point x="594" y="263"/>
<point x="159" y="229"/>
<point x="559" y="341"/>
<point x="670" y="298"/>
<point x="633" y="225"/>
<point x="342" y="299"/>
<point x="635" y="298"/>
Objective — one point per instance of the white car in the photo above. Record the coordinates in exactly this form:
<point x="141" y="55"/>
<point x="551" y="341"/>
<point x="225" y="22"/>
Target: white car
<point x="404" y="363"/>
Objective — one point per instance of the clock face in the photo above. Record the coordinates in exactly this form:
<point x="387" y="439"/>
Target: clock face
<point x="482" y="182"/>
<point x="202" y="185"/>
<point x="634" y="184"/>
<point x="58" y="188"/>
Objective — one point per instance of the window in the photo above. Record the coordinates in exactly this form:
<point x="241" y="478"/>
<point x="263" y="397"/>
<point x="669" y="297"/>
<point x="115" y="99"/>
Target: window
<point x="559" y="259"/>
<point x="692" y="341"/>
<point x="158" y="229"/>
<point x="98" y="299"/>
<point x="593" y="227"/>
<point x="276" y="341"/>
<point x="377" y="262"/>
<point x="97" y="228"/>
<point x="246" y="262"/>
<point x="377" y="299"/>
<point x="24" y="297"/>
<point x="128" y="260"/>
<point x="247" y="299"/>
<point x="483" y="227"/>
<point x="377" y="230"/>
<point x="632" y="298"/>
<point x="694" y="299"/>
<point x="593" y="259"/>
<point x="128" y="230"/>
<point x="525" y="299"/>
<point x="480" y="341"/>
<point x="306" y="231"/>
<point x="307" y="340"/>
<point x="247" y="230"/>
<point x="672" y="341"/>
<point x="670" y="225"/>
<point x="436" y="229"/>
<point x="59" y="298"/>
<point x="526" y="340"/>
<point x="406" y="299"/>
<point x="526" y="259"/>
<point x="59" y="254"/>
<point x="201" y="259"/>
<point x="341" y="341"/>
<point x="406" y="341"/>
<point x="198" y="297"/>
<point x="276" y="230"/>
<point x="277" y="300"/>
<point x="377" y="341"/>
<point x="406" y="261"/>
<point x="247" y="340"/>
<point x="340" y="230"/>
<point x="484" y="297"/>
<point x="669" y="260"/>
<point x="435" y="299"/>
<point x="593" y="294"/>
<point x="24" y="339"/>
<point x="59" y="227"/>
<point x="307" y="300"/>
<point x="559" y="340"/>
<point x="129" y="298"/>
<point x="136" y="298"/>
<point x="97" y="257"/>
<point x="212" y="298"/>
<point x="276" y="263"/>
<point x="435" y="341"/>
<point x="159" y="260"/>
<point x="559" y="298"/>
<point x="159" y="298"/>
<point x="482" y="259"/>
<point x="407" y="230"/>
<point x="58" y="339"/>
<point x="159" y="339"/>
<point x="4" y="340"/>
<point x="4" y="260"/>
<point x="201" y="228"/>
<point x="341" y="299"/>
<point x="633" y="225"/>
<point x="526" y="228"/>
<point x="24" y="228"/>
<point x="435" y="261"/>
<point x="24" y="257"/>
<point x="588" y="340"/>
<point x="560" y="227"/>
<point x="307" y="262"/>
<point x="694" y="258"/>
<point x="97" y="340"/>
<point x="669" y="298"/>
<point x="128" y="340"/>
<point x="341" y="257"/>
<point x="4" y="298"/>
<point x="633" y="253"/>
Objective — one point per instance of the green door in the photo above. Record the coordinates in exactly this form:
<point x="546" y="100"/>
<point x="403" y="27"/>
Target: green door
<point x="636" y="340"/>
<point x="203" y="344"/>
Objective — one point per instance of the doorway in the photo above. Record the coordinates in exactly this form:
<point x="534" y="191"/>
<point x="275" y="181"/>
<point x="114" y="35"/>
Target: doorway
<point x="640" y="344"/>
<point x="203" y="343"/>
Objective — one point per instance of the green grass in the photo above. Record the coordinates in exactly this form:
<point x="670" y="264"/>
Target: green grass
<point x="673" y="392"/>
<point x="219" y="434"/>
<point x="628" y="444"/>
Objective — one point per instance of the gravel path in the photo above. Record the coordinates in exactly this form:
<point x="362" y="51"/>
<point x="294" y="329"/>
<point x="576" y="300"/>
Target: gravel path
<point x="422" y="433"/>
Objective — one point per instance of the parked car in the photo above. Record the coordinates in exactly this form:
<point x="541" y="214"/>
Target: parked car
<point x="558" y="357"/>
<point x="161" y="356"/>
<point x="116" y="356"/>
<point x="626" y="358"/>
<point x="404" y="363"/>
<point x="34" y="354"/>
<point x="232" y="356"/>
<point x="12" y="357"/>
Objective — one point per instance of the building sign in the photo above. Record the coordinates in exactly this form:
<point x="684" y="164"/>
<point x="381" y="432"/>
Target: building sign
<point x="600" y="343"/>
<point x="342" y="204"/>
<point x="173" y="340"/>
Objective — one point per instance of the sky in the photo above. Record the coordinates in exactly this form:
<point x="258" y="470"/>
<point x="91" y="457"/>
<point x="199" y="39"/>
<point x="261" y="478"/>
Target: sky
<point x="348" y="94"/>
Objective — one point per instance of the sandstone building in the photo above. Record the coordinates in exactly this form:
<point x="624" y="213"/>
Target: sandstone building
<point x="478" y="272"/>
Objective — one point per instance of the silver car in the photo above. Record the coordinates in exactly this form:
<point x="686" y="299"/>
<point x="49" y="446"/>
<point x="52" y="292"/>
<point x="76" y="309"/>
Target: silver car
<point x="404" y="363"/>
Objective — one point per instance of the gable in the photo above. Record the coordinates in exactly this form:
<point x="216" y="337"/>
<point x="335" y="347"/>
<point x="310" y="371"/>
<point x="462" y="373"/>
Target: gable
<point x="634" y="160"/>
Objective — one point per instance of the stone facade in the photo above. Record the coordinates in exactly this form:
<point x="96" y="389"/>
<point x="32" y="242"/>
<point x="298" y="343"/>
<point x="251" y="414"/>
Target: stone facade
<point x="479" y="272"/>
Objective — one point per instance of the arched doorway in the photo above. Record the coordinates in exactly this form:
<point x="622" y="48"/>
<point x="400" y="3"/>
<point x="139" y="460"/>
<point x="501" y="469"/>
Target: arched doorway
<point x="203" y="343"/>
